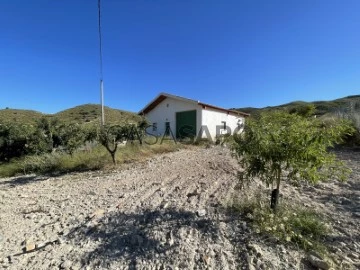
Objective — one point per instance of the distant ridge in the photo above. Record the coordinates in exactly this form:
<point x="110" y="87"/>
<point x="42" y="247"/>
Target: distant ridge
<point x="80" y="114"/>
<point x="321" y="107"/>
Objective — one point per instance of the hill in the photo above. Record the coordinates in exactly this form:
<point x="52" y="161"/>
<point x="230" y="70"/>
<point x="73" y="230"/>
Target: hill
<point x="79" y="114"/>
<point x="19" y="116"/>
<point x="92" y="112"/>
<point x="321" y="107"/>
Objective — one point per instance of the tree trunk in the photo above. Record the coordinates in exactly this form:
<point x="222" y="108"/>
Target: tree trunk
<point x="275" y="193"/>
<point x="111" y="151"/>
<point x="113" y="157"/>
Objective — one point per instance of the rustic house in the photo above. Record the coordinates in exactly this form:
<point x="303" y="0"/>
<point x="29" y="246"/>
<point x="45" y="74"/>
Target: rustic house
<point x="182" y="117"/>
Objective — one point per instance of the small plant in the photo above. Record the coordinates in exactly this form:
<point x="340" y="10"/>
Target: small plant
<point x="292" y="224"/>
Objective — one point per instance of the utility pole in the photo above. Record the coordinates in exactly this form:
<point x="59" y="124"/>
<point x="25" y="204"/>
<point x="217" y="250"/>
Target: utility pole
<point x="101" y="69"/>
<point x="102" y="102"/>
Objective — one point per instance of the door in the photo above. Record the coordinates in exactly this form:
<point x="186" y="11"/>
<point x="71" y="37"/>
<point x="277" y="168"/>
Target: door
<point x="186" y="124"/>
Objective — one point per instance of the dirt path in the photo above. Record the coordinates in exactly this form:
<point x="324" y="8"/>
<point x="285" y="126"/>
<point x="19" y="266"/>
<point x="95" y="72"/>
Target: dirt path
<point x="163" y="213"/>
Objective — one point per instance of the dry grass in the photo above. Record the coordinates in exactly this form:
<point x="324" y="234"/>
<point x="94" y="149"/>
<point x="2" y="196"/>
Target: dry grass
<point x="97" y="158"/>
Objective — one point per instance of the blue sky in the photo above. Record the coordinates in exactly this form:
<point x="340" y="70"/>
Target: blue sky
<point x="227" y="53"/>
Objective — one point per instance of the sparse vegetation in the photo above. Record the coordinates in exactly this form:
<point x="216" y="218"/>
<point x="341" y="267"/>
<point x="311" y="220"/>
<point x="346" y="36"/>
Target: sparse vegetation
<point x="94" y="159"/>
<point x="301" y="226"/>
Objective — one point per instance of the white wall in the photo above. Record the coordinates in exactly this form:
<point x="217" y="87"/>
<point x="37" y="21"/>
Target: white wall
<point x="166" y="112"/>
<point x="212" y="118"/>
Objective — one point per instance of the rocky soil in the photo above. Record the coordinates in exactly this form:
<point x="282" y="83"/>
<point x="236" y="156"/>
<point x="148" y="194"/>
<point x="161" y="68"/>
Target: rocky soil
<point x="164" y="213"/>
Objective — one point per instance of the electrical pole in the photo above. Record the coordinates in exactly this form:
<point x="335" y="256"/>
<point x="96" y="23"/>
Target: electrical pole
<point x="102" y="102"/>
<point x="101" y="70"/>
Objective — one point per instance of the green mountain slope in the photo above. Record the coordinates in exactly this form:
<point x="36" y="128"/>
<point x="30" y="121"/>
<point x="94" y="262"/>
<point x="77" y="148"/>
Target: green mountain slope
<point x="19" y="116"/>
<point x="321" y="107"/>
<point x="79" y="114"/>
<point x="92" y="113"/>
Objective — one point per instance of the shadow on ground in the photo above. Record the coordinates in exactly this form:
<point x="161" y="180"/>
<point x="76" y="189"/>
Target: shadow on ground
<point x="22" y="180"/>
<point x="151" y="236"/>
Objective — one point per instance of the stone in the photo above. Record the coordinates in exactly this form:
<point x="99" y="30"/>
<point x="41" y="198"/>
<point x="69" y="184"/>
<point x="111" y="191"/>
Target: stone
<point x="99" y="213"/>
<point x="66" y="264"/>
<point x="57" y="240"/>
<point x="317" y="262"/>
<point x="205" y="259"/>
<point x="282" y="249"/>
<point x="48" y="248"/>
<point x="76" y="266"/>
<point x="201" y="212"/>
<point x="30" y="246"/>
<point x="244" y="225"/>
<point x="251" y="266"/>
<point x="353" y="255"/>
<point x="170" y="238"/>
<point x="41" y="245"/>
<point x="256" y="249"/>
<point x="164" y="205"/>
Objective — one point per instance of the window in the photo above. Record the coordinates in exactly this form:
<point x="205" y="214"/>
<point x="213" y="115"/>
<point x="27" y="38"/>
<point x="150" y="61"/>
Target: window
<point x="224" y="124"/>
<point x="154" y="126"/>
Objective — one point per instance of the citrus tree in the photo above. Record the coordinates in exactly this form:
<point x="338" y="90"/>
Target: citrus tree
<point x="279" y="145"/>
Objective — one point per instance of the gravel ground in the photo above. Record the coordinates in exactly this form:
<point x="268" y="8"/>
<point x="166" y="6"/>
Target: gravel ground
<point x="163" y="213"/>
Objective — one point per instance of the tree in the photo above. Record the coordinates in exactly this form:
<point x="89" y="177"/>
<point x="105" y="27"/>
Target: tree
<point x="277" y="144"/>
<point x="72" y="136"/>
<point x="46" y="136"/>
<point x="13" y="141"/>
<point x="110" y="136"/>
